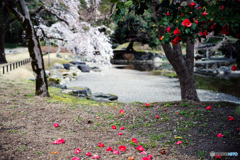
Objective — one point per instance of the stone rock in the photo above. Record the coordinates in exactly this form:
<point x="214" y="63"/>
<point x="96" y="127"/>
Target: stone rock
<point x="104" y="97"/>
<point x="84" y="68"/>
<point x="59" y="56"/>
<point x="62" y="86"/>
<point x="66" y="66"/>
<point x="82" y="92"/>
<point x="67" y="91"/>
<point x="58" y="66"/>
<point x="76" y="62"/>
<point x="66" y="57"/>
<point x="96" y="69"/>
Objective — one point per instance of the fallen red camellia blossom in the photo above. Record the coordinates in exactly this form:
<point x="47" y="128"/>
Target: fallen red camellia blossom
<point x="140" y="148"/>
<point x="164" y="109"/>
<point x="177" y="112"/>
<point x="122" y="128"/>
<point x="131" y="158"/>
<point x="122" y="148"/>
<point x="208" y="108"/>
<point x="95" y="157"/>
<point x="230" y="118"/>
<point x="75" y="158"/>
<point x="150" y="156"/>
<point x="179" y="142"/>
<point x="147" y="104"/>
<point x="60" y="141"/>
<point x="220" y="135"/>
<point x="115" y="152"/>
<point x="100" y="145"/>
<point x="157" y="116"/>
<point x="77" y="151"/>
<point x="109" y="149"/>
<point x="56" y="125"/>
<point x="113" y="127"/>
<point x="143" y="152"/>
<point x="134" y="140"/>
<point x="88" y="154"/>
<point x="121" y="111"/>
<point x="120" y="134"/>
<point x="54" y="152"/>
<point x="218" y="157"/>
<point x="146" y="158"/>
<point x="163" y="152"/>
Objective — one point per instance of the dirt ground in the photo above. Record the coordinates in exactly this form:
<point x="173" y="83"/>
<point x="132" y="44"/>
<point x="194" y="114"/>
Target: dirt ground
<point x="183" y="131"/>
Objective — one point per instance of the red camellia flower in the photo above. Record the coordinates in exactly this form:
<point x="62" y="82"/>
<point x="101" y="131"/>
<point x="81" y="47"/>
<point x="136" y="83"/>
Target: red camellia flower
<point x="218" y="157"/>
<point x="165" y="110"/>
<point x="77" y="151"/>
<point x="97" y="117"/>
<point x="199" y="7"/>
<point x="179" y="142"/>
<point x="122" y="128"/>
<point x="234" y="68"/>
<point x="88" y="154"/>
<point x="222" y="7"/>
<point x="100" y="145"/>
<point x="115" y="152"/>
<point x="186" y="23"/>
<point x="56" y="125"/>
<point x="120" y="134"/>
<point x="150" y="156"/>
<point x="109" y="149"/>
<point x="134" y="140"/>
<point x="230" y="118"/>
<point x="182" y="14"/>
<point x="177" y="112"/>
<point x="143" y="152"/>
<point x="75" y="158"/>
<point x="212" y="27"/>
<point x="196" y="21"/>
<point x="140" y="148"/>
<point x="167" y="14"/>
<point x="168" y="29"/>
<point x="204" y="13"/>
<point x="219" y="135"/>
<point x="113" y="127"/>
<point x="161" y="38"/>
<point x="225" y="30"/>
<point x="203" y="33"/>
<point x="60" y="141"/>
<point x="95" y="157"/>
<point x="122" y="148"/>
<point x="176" y="31"/>
<point x="157" y="116"/>
<point x="147" y="104"/>
<point x="208" y="108"/>
<point x="121" y="111"/>
<point x="176" y="40"/>
<point x="192" y="5"/>
<point x="146" y="158"/>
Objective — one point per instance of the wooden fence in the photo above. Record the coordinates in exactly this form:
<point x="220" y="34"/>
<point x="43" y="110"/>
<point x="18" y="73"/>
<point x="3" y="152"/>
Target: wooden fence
<point x="9" y="67"/>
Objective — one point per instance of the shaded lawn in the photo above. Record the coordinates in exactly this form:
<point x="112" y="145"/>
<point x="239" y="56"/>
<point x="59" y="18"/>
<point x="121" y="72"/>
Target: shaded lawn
<point x="27" y="127"/>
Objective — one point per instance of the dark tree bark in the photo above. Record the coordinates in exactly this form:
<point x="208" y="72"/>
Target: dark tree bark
<point x="183" y="67"/>
<point x="130" y="47"/>
<point x="20" y="10"/>
<point x="3" y="28"/>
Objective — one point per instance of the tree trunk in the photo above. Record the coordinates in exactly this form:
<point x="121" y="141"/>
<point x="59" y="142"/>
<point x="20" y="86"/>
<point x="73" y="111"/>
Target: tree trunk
<point x="2" y="52"/>
<point x="130" y="47"/>
<point x="183" y="67"/>
<point x="33" y="46"/>
<point x="3" y="27"/>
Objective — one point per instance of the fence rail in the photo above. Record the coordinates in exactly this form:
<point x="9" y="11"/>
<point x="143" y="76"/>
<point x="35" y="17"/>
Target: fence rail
<point x="9" y="67"/>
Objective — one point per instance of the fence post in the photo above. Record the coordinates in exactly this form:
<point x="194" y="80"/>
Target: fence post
<point x="11" y="67"/>
<point x="7" y="67"/>
<point x="3" y="69"/>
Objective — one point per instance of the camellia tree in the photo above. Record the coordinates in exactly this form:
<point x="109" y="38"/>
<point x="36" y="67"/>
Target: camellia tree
<point x="185" y="21"/>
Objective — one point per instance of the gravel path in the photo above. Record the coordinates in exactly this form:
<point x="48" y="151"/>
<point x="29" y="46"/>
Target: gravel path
<point x="132" y="85"/>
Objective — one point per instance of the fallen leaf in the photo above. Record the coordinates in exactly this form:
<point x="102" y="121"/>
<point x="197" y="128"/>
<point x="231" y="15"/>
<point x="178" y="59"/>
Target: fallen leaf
<point x="131" y="158"/>
<point x="54" y="152"/>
